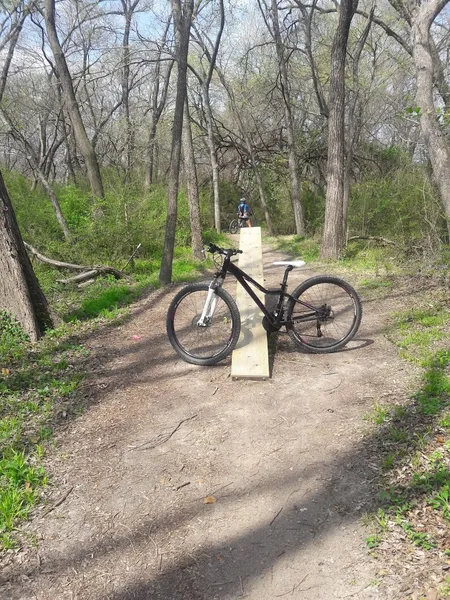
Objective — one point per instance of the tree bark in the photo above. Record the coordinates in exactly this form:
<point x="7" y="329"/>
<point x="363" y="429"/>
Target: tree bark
<point x="192" y="186"/>
<point x="433" y="134"/>
<point x="333" y="233"/>
<point x="182" y="14"/>
<point x="213" y="158"/>
<point x="70" y="100"/>
<point x="20" y="292"/>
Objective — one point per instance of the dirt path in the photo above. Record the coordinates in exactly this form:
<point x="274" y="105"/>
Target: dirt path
<point x="285" y="460"/>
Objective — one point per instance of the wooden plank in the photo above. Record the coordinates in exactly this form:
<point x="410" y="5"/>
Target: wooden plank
<point x="250" y="359"/>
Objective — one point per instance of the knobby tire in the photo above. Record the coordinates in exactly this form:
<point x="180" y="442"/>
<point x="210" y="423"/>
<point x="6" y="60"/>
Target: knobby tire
<point x="337" y="329"/>
<point x="202" y="345"/>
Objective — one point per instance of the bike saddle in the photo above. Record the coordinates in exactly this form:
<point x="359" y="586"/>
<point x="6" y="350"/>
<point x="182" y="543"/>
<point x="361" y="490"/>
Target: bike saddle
<point x="292" y="263"/>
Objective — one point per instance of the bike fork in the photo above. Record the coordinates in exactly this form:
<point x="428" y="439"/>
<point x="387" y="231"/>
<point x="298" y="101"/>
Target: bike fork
<point x="209" y="307"/>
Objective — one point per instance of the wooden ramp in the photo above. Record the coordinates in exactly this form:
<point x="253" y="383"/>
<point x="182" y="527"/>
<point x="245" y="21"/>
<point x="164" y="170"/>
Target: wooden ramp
<point x="250" y="359"/>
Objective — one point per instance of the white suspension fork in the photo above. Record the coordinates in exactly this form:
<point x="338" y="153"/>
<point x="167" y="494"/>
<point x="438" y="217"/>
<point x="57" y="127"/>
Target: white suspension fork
<point x="209" y="308"/>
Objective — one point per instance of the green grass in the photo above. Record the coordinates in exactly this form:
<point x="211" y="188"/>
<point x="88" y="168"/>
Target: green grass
<point x="407" y="434"/>
<point x="296" y="246"/>
<point x="378" y="414"/>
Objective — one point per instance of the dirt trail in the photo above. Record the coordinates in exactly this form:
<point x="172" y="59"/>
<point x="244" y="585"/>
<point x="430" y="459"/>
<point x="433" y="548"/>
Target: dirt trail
<point x="285" y="459"/>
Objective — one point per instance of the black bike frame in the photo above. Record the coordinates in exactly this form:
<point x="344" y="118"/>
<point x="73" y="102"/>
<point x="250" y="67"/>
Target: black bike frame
<point x="243" y="278"/>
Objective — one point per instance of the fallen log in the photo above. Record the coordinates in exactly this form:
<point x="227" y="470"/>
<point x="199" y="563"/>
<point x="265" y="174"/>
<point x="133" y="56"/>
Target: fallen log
<point x="88" y="271"/>
<point x="96" y="272"/>
<point x="374" y="238"/>
<point x="54" y="263"/>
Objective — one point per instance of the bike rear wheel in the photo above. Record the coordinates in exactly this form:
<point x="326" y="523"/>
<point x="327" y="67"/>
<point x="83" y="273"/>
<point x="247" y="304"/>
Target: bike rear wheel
<point x="234" y="226"/>
<point x="208" y="344"/>
<point x="330" y="319"/>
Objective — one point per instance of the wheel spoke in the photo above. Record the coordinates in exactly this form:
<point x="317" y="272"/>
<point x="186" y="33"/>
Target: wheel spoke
<point x="201" y="342"/>
<point x="335" y="319"/>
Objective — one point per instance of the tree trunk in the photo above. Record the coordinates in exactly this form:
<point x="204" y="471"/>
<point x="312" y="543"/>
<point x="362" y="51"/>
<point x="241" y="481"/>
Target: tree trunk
<point x="70" y="100"/>
<point x="213" y="158"/>
<point x="128" y="9"/>
<point x="149" y="174"/>
<point x="157" y="102"/>
<point x="354" y="120"/>
<point x="434" y="136"/>
<point x="289" y="122"/>
<point x="333" y="233"/>
<point x="55" y="202"/>
<point x="182" y="14"/>
<point x="192" y="186"/>
<point x="157" y="105"/>
<point x="20" y="292"/>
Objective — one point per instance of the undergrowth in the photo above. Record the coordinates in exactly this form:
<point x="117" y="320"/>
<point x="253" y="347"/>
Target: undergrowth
<point x="413" y="438"/>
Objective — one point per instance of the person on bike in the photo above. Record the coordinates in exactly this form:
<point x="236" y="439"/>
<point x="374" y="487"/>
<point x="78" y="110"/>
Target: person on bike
<point x="244" y="212"/>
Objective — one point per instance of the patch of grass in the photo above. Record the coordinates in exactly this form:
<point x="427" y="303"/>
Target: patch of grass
<point x="37" y="383"/>
<point x="296" y="246"/>
<point x="387" y="462"/>
<point x="373" y="541"/>
<point x="422" y="332"/>
<point x="416" y="494"/>
<point x="396" y="434"/>
<point x="441" y="501"/>
<point x="378" y="414"/>
<point x="374" y="284"/>
<point x="444" y="590"/>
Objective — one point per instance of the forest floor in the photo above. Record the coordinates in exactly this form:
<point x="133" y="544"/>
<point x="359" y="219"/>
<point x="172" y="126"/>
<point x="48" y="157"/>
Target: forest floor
<point x="288" y="468"/>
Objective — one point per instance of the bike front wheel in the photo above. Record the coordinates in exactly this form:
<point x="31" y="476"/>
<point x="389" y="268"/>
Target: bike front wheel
<point x="216" y="338"/>
<point x="234" y="226"/>
<point x="324" y="314"/>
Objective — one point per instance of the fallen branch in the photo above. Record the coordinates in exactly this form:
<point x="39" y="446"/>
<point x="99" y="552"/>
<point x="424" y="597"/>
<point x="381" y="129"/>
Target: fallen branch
<point x="374" y="238"/>
<point x="57" y="503"/>
<point x="55" y="263"/>
<point x="162" y="437"/>
<point x="94" y="272"/>
<point x="89" y="271"/>
<point x="131" y="257"/>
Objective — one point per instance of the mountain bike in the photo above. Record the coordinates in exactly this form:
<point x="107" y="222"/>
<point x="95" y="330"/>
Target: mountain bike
<point x="203" y="322"/>
<point x="238" y="223"/>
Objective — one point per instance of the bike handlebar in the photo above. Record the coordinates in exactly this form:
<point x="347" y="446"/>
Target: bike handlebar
<point x="224" y="251"/>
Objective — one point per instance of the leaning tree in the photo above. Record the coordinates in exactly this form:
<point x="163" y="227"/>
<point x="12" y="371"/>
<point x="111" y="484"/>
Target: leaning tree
<point x="20" y="292"/>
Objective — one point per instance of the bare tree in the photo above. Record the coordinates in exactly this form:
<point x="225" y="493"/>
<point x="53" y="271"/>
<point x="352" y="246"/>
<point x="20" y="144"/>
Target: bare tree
<point x="158" y="99"/>
<point x="190" y="170"/>
<point x="18" y="134"/>
<point x="182" y="17"/>
<point x="71" y="103"/>
<point x="129" y="7"/>
<point x="205" y="82"/>
<point x="430" y="75"/>
<point x="248" y="147"/>
<point x="354" y="123"/>
<point x="333" y="232"/>
<point x="274" y="29"/>
<point x="20" y="292"/>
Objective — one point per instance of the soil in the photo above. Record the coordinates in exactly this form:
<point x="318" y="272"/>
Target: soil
<point x="178" y="482"/>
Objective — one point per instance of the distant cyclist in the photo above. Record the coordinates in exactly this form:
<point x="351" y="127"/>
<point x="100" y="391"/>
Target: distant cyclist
<point x="244" y="212"/>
